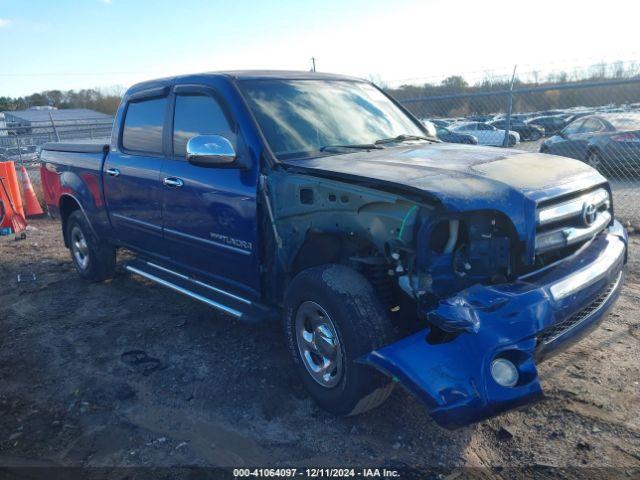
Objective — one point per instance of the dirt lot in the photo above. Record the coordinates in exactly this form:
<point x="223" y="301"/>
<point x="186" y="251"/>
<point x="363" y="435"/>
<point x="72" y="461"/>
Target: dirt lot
<point x="126" y="373"/>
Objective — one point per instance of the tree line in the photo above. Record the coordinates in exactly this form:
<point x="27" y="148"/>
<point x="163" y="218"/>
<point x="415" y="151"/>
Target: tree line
<point x="549" y="99"/>
<point x="101" y="100"/>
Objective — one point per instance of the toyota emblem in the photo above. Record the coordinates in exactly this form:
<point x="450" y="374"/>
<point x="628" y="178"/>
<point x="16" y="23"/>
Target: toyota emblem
<point x="589" y="213"/>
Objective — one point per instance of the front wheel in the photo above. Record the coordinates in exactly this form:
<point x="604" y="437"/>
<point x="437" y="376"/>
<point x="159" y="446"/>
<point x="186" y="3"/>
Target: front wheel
<point x="332" y="318"/>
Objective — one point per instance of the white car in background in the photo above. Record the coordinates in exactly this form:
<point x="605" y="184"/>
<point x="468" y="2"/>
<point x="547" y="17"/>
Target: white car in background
<point x="485" y="133"/>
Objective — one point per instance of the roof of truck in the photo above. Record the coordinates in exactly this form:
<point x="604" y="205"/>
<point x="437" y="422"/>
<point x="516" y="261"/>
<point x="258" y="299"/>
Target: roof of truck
<point x="246" y="75"/>
<point x="285" y="74"/>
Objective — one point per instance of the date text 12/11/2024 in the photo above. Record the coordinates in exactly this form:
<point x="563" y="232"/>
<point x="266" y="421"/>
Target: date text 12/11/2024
<point x="316" y="473"/>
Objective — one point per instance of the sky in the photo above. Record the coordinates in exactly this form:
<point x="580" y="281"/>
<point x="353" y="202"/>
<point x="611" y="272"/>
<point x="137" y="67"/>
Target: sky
<point x="73" y="44"/>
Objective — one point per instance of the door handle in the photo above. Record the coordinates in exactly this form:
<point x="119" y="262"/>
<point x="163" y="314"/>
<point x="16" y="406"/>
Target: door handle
<point x="173" y="182"/>
<point x="114" y="172"/>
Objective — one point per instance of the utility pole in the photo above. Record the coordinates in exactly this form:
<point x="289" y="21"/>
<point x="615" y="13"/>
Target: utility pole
<point x="313" y="64"/>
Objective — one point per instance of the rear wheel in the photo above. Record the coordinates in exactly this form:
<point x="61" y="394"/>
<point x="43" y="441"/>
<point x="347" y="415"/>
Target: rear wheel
<point x="94" y="260"/>
<point x="332" y="318"/>
<point x="594" y="160"/>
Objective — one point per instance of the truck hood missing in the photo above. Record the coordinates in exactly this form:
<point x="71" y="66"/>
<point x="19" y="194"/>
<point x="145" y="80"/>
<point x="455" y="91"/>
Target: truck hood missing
<point x="461" y="177"/>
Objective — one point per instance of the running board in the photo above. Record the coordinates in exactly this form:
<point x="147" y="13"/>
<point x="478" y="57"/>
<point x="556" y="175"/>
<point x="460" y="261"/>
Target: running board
<point x="226" y="302"/>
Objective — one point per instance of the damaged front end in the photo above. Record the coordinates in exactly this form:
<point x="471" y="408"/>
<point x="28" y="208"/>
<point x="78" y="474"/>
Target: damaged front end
<point x="486" y="328"/>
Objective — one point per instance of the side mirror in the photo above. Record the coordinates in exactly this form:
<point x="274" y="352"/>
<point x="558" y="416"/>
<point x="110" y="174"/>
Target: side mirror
<point x="210" y="150"/>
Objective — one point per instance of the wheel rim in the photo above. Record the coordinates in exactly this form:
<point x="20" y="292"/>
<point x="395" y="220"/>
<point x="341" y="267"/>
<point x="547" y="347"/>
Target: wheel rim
<point x="319" y="344"/>
<point x="79" y="248"/>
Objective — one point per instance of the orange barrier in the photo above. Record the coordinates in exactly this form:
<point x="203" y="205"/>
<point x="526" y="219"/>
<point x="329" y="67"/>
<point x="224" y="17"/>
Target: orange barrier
<point x="31" y="204"/>
<point x="8" y="174"/>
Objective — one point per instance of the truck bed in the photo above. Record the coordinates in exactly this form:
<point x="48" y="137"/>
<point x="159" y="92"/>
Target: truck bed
<point x="74" y="170"/>
<point x="97" y="145"/>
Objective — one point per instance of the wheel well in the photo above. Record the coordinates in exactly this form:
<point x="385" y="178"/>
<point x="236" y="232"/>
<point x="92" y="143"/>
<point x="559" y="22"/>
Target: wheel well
<point x="321" y="248"/>
<point x="67" y="206"/>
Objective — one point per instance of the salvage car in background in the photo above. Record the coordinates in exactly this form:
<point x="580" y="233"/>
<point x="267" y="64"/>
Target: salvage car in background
<point x="382" y="253"/>
<point x="485" y="133"/>
<point x="527" y="131"/>
<point x="437" y="122"/>
<point x="552" y="124"/>
<point x="608" y="142"/>
<point x="448" y="136"/>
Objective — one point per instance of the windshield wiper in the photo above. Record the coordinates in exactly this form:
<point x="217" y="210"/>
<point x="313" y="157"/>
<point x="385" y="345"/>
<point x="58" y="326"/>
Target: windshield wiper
<point x="403" y="138"/>
<point x="357" y="146"/>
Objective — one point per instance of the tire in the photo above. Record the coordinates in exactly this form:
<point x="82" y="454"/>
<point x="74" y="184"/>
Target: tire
<point x="512" y="141"/>
<point x="94" y="260"/>
<point x="357" y="324"/>
<point x="596" y="160"/>
<point x="535" y="136"/>
<point x="593" y="159"/>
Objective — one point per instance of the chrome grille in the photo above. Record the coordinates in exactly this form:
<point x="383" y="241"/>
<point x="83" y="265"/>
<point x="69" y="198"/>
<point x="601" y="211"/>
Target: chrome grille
<point x="563" y="326"/>
<point x="572" y="221"/>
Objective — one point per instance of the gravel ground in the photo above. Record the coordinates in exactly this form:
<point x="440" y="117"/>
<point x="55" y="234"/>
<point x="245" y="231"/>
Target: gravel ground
<point x="125" y="373"/>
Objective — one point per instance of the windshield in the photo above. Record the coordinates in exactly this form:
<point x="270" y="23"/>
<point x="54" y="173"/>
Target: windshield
<point x="301" y="118"/>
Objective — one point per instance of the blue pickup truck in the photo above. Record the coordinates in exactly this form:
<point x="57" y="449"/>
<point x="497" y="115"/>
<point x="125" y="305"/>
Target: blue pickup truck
<point x="317" y="202"/>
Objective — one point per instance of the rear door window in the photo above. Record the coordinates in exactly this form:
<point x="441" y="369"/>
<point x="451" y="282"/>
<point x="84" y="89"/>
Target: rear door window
<point x="143" y="125"/>
<point x="591" y="125"/>
<point x="573" y="127"/>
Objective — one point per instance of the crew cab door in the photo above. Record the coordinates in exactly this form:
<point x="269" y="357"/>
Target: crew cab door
<point x="209" y="212"/>
<point x="132" y="187"/>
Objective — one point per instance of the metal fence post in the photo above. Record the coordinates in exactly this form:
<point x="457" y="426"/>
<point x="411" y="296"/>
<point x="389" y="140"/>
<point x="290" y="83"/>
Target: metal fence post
<point x="505" y="141"/>
<point x="19" y="145"/>
<point x="53" y="124"/>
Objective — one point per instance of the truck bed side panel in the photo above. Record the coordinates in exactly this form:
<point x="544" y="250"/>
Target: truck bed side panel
<point x="78" y="175"/>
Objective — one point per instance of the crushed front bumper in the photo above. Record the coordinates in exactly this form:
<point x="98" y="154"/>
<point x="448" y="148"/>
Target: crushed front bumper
<point x="524" y="322"/>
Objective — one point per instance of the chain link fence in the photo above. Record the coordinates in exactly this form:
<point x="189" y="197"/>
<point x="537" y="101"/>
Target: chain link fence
<point x="23" y="143"/>
<point x="597" y="122"/>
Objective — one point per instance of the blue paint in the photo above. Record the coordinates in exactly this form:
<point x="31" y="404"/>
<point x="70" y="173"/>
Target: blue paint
<point x="215" y="226"/>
